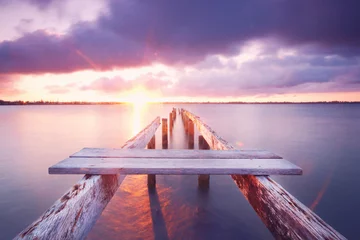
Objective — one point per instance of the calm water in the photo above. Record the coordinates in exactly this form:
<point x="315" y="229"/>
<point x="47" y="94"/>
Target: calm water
<point x="323" y="139"/>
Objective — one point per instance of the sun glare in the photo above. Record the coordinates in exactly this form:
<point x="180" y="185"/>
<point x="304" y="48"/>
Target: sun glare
<point x="138" y="98"/>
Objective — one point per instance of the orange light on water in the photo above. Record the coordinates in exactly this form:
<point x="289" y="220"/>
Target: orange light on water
<point x="138" y="98"/>
<point x="138" y="109"/>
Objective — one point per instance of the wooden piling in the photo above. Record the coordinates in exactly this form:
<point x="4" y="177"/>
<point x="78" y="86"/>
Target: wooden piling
<point x="151" y="178"/>
<point x="174" y="113"/>
<point x="185" y="119"/>
<point x="203" y="179"/>
<point x="190" y="129"/>
<point x="164" y="133"/>
<point x="171" y="120"/>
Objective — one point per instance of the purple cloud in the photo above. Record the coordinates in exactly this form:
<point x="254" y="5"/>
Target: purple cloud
<point x="135" y="33"/>
<point x="269" y="74"/>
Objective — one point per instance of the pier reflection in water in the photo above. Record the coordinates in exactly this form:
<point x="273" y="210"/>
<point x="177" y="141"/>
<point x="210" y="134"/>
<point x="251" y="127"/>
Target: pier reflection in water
<point x="177" y="208"/>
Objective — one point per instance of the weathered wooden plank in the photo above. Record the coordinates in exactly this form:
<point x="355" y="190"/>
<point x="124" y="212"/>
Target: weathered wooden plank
<point x="165" y="166"/>
<point x="173" y="153"/>
<point x="284" y="215"/>
<point x="74" y="214"/>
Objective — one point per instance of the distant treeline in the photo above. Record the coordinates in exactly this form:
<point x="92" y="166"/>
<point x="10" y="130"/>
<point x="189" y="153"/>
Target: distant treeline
<point x="2" y="102"/>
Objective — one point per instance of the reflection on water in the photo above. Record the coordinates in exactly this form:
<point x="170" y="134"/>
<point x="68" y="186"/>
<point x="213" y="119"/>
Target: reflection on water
<point x="138" y="109"/>
<point x="176" y="209"/>
<point x="323" y="139"/>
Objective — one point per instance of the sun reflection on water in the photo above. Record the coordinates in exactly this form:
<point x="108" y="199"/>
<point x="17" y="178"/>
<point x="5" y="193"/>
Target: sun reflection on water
<point x="138" y="110"/>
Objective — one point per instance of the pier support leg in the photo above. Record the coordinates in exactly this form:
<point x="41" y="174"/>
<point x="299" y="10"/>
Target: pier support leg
<point x="171" y="119"/>
<point x="203" y="179"/>
<point x="190" y="129"/>
<point x="174" y="113"/>
<point x="151" y="178"/>
<point x="185" y="119"/>
<point x="164" y="133"/>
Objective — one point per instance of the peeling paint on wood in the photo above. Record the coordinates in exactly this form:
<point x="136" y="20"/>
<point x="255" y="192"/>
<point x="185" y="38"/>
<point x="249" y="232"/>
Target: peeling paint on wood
<point x="75" y="213"/>
<point x="282" y="213"/>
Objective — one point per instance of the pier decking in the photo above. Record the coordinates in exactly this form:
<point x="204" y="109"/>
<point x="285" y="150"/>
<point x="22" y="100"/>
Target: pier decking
<point x="75" y="213"/>
<point x="180" y="162"/>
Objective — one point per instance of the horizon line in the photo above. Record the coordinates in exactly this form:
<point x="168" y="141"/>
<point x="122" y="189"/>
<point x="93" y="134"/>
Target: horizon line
<point x="41" y="102"/>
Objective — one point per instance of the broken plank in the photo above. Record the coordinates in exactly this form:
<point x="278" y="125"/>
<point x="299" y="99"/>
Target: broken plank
<point x="172" y="153"/>
<point x="75" y="213"/>
<point x="164" y="166"/>
<point x="284" y="215"/>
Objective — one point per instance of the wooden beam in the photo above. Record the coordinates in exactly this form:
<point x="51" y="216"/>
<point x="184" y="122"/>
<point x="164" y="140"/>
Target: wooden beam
<point x="75" y="213"/>
<point x="179" y="166"/>
<point x="173" y="153"/>
<point x="284" y="215"/>
<point x="151" y="178"/>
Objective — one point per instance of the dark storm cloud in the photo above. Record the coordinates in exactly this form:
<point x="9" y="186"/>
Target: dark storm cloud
<point x="139" y="32"/>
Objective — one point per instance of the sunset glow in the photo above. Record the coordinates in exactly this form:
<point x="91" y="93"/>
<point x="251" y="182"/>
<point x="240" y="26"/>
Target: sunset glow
<point x="138" y="97"/>
<point x="82" y="56"/>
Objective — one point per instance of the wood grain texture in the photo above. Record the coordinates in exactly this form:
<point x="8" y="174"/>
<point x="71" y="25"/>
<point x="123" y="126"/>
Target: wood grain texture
<point x="282" y="213"/>
<point x="75" y="213"/>
<point x="179" y="166"/>
<point x="173" y="153"/>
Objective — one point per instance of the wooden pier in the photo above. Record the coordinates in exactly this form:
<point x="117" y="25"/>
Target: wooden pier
<point x="76" y="212"/>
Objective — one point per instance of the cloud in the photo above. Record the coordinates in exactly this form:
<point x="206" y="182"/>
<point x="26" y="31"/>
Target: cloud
<point x="58" y="89"/>
<point x="149" y="82"/>
<point x="135" y="33"/>
<point x="269" y="74"/>
<point x="8" y="87"/>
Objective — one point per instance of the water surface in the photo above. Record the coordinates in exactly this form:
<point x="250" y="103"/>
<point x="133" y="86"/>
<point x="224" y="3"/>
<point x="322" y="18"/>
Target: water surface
<point x="323" y="139"/>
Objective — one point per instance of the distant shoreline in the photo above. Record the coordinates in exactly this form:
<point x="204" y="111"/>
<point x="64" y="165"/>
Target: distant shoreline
<point x="7" y="103"/>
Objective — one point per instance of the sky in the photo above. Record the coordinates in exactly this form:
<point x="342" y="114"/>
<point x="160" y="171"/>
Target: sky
<point x="171" y="50"/>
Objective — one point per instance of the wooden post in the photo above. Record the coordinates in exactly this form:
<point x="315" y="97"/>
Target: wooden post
<point x="164" y="133"/>
<point x="75" y="213"/>
<point x="174" y="113"/>
<point x="203" y="179"/>
<point x="171" y="121"/>
<point x="190" y="129"/>
<point x="284" y="215"/>
<point x="151" y="178"/>
<point x="186" y="124"/>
